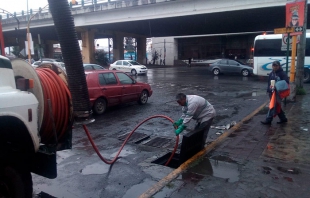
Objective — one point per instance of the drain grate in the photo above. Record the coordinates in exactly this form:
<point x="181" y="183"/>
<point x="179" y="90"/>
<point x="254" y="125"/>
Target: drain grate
<point x="135" y="137"/>
<point x="161" y="142"/>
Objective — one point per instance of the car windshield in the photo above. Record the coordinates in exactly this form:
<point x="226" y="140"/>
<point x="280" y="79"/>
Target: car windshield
<point x="134" y="63"/>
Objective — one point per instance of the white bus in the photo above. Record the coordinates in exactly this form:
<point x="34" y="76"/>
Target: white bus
<point x="267" y="48"/>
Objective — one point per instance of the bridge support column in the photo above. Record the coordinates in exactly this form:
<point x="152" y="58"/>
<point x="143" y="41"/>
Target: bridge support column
<point x="141" y="50"/>
<point x="118" y="47"/>
<point x="88" y="46"/>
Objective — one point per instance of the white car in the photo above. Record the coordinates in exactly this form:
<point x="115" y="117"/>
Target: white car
<point x="59" y="64"/>
<point x="129" y="66"/>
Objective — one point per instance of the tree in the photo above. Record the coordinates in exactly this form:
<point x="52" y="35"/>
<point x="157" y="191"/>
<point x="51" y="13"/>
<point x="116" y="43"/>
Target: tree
<point x="154" y="56"/>
<point x="129" y="44"/>
<point x="101" y="57"/>
<point x="15" y="51"/>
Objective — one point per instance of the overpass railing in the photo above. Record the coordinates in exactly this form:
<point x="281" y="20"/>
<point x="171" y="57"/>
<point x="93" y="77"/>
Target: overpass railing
<point x="81" y="6"/>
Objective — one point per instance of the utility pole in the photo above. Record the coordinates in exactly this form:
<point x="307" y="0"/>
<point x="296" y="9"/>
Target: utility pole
<point x="301" y="53"/>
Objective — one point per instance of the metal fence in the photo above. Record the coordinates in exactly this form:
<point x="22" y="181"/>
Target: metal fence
<point x="84" y="5"/>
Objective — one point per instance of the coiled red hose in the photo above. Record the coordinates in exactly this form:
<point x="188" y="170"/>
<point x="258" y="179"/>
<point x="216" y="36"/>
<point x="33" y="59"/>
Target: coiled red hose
<point x="129" y="135"/>
<point x="56" y="113"/>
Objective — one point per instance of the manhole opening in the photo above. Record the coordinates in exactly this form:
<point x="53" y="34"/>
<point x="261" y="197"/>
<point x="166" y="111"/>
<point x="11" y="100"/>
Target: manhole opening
<point x="174" y="163"/>
<point x="192" y="143"/>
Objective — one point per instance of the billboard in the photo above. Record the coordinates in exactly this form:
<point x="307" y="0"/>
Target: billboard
<point x="295" y="13"/>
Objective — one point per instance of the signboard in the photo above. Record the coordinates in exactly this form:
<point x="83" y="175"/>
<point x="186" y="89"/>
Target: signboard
<point x="284" y="42"/>
<point x="298" y="31"/>
<point x="295" y="13"/>
<point x="284" y="30"/>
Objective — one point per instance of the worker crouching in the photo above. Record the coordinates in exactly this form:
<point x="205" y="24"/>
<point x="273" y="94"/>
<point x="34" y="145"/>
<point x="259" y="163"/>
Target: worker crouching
<point x="197" y="108"/>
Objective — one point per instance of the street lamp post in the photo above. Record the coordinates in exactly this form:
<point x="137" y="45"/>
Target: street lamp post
<point x="28" y="32"/>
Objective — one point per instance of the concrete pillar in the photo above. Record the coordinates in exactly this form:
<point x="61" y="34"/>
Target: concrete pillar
<point x="118" y="47"/>
<point x="88" y="47"/>
<point x="141" y="49"/>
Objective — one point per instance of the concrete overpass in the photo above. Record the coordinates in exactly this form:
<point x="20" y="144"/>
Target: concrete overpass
<point x="156" y="18"/>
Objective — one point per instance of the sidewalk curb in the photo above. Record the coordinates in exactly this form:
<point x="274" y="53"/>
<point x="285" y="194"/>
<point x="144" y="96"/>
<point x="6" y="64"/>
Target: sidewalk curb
<point x="174" y="174"/>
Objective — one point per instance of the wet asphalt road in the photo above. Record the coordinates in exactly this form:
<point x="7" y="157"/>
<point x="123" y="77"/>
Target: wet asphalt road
<point x="82" y="174"/>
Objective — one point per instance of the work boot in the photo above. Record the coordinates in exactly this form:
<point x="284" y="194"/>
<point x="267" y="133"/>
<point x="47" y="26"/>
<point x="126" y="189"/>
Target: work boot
<point x="282" y="121"/>
<point x="266" y="122"/>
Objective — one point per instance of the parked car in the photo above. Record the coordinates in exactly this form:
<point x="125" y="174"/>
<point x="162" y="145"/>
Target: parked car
<point x="59" y="64"/>
<point x="53" y="60"/>
<point x="108" y="88"/>
<point x="129" y="66"/>
<point x="88" y="66"/>
<point x="250" y="62"/>
<point x="204" y="62"/>
<point x="230" y="66"/>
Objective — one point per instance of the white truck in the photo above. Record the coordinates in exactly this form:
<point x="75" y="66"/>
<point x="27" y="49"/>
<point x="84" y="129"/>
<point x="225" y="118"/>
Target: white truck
<point x="30" y="135"/>
<point x="21" y="117"/>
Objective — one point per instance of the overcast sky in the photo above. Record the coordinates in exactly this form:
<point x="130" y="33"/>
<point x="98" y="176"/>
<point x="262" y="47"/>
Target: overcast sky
<point x="19" y="5"/>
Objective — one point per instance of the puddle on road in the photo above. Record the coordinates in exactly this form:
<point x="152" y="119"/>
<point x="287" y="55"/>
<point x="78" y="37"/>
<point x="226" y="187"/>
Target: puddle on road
<point x="95" y="169"/>
<point x="224" y="168"/>
<point x="137" y="190"/>
<point x="239" y="94"/>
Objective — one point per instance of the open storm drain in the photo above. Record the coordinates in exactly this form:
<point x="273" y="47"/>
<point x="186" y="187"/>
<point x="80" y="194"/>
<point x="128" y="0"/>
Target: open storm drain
<point x="135" y="138"/>
<point x="192" y="143"/>
<point x="160" y="142"/>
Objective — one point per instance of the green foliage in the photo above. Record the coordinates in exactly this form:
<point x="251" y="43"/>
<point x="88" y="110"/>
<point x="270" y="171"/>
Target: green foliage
<point x="129" y="44"/>
<point x="155" y="56"/>
<point x="15" y="51"/>
<point x="301" y="91"/>
<point x="101" y="57"/>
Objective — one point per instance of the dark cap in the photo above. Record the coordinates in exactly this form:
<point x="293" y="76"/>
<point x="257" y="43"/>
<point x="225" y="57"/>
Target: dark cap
<point x="295" y="15"/>
<point x="276" y="63"/>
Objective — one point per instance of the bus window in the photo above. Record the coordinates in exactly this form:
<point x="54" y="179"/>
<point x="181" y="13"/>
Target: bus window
<point x="268" y="47"/>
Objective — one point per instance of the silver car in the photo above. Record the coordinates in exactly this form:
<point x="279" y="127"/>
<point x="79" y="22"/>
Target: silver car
<point x="230" y="66"/>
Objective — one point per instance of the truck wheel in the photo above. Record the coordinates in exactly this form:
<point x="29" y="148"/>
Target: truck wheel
<point x="15" y="184"/>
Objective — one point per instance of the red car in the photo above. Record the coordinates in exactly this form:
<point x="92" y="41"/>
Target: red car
<point x="111" y="87"/>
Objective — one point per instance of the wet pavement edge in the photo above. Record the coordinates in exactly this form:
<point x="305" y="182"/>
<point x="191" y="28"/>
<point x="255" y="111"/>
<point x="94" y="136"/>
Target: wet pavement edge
<point x="174" y="174"/>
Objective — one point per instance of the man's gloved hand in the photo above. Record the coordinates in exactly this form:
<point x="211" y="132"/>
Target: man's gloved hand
<point x="180" y="129"/>
<point x="178" y="123"/>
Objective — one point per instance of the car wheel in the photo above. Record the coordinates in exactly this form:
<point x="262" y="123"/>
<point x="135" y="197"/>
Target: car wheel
<point x="100" y="106"/>
<point x="216" y="71"/>
<point x="306" y="75"/>
<point x="15" y="184"/>
<point x="134" y="72"/>
<point x="113" y="69"/>
<point x="245" y="72"/>
<point x="143" y="97"/>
